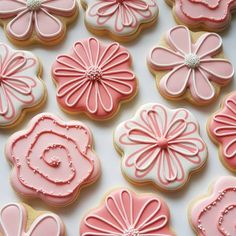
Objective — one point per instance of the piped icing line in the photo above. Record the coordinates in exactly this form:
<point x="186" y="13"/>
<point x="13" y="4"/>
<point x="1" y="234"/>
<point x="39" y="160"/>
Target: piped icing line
<point x="215" y="214"/>
<point x="94" y="78"/>
<point x="161" y="146"/>
<point x="194" y="64"/>
<point x="20" y="85"/>
<point x="14" y="217"/>
<point x="125" y="214"/>
<point x="49" y="167"/>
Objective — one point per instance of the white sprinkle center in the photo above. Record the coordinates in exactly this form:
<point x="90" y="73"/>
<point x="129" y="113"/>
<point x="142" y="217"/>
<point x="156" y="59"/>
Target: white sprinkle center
<point x="192" y="60"/>
<point x="33" y="5"/>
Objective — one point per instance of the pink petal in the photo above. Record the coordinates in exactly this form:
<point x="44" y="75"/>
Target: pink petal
<point x="105" y="97"/>
<point x="119" y="26"/>
<point x="230" y="149"/>
<point x="92" y="98"/>
<point x="93" y="50"/>
<point x="103" y="8"/>
<point x="137" y="4"/>
<point x="10" y="8"/>
<point x="127" y="16"/>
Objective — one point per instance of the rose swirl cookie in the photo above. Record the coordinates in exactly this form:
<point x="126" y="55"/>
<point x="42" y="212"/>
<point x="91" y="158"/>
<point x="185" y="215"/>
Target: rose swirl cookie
<point x="52" y="160"/>
<point x="215" y="214"/>
<point x="190" y="66"/>
<point x="94" y="78"/>
<point x="123" y="213"/>
<point x="160" y="146"/>
<point x="122" y="20"/>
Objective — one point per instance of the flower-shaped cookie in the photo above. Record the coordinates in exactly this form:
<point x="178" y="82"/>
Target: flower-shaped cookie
<point x="29" y="21"/>
<point x="121" y="19"/>
<point x="216" y="214"/>
<point x="20" y="86"/>
<point x="52" y="160"/>
<point x="212" y="15"/>
<point x="189" y="66"/>
<point x="161" y="146"/>
<point x="94" y="78"/>
<point x="222" y="129"/>
<point x="126" y="214"/>
<point x="21" y="220"/>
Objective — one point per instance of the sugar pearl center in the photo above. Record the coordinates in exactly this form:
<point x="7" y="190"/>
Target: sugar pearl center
<point x="162" y="143"/>
<point x="33" y="5"/>
<point x="131" y="232"/>
<point x="192" y="60"/>
<point x="94" y="73"/>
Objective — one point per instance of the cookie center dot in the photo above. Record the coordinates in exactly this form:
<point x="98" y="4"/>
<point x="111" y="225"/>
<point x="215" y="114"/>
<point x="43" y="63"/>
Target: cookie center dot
<point x="162" y="143"/>
<point x="131" y="232"/>
<point x="94" y="73"/>
<point x="33" y="5"/>
<point x="192" y="60"/>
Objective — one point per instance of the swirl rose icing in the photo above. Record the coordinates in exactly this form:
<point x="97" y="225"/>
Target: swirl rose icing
<point x="43" y="19"/>
<point x="20" y="87"/>
<point x="191" y="67"/>
<point x="14" y="220"/>
<point x="94" y="78"/>
<point x="52" y="160"/>
<point x="222" y="128"/>
<point x="212" y="15"/>
<point x="216" y="214"/>
<point x="161" y="146"/>
<point x="121" y="18"/>
<point x="126" y="214"/>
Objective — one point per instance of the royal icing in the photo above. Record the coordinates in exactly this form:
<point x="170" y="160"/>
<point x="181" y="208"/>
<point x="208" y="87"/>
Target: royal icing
<point x="126" y="214"/>
<point x="208" y="14"/>
<point x="191" y="66"/>
<point x="216" y="214"/>
<point x="161" y="146"/>
<point x="94" y="78"/>
<point x="222" y="127"/>
<point x="52" y="159"/>
<point x="40" y="16"/>
<point x="13" y="222"/>
<point x="120" y="17"/>
<point x="20" y="87"/>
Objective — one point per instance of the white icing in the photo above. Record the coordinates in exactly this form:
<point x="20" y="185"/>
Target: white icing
<point x="192" y="60"/>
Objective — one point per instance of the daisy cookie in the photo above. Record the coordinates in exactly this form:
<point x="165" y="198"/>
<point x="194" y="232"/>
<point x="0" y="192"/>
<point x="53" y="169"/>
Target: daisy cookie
<point x="160" y="146"/>
<point x="94" y="78"/>
<point x="222" y="130"/>
<point x="124" y="213"/>
<point x="190" y="66"/>
<point x="213" y="15"/>
<point x="37" y="21"/>
<point x="21" y="220"/>
<point x="21" y="88"/>
<point x="52" y="160"/>
<point x="122" y="20"/>
<point x="215" y="214"/>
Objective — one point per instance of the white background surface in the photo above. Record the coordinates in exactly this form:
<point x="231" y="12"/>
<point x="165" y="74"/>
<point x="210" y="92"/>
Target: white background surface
<point x="112" y="177"/>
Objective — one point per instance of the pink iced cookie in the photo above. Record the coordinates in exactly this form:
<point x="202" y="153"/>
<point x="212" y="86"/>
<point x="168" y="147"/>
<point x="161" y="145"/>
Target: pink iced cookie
<point x="94" y="78"/>
<point x="216" y="214"/>
<point x="190" y="66"/>
<point x="161" y="146"/>
<point x="214" y="15"/>
<point x="21" y="220"/>
<point x="30" y="21"/>
<point x="52" y="160"/>
<point x="222" y="129"/>
<point x="126" y="214"/>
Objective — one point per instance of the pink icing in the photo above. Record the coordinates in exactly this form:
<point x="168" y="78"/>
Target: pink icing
<point x="216" y="214"/>
<point x="94" y="78"/>
<point x="52" y="160"/>
<point x="222" y="128"/>
<point x="126" y="214"/>
<point x="13" y="222"/>
<point x="193" y="65"/>
<point x="40" y="16"/>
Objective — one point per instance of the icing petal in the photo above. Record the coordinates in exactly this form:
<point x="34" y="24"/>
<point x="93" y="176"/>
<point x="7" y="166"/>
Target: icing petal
<point x="230" y="149"/>
<point x="103" y="8"/>
<point x="92" y="98"/>
<point x="60" y="7"/>
<point x="105" y="97"/>
<point x="4" y="103"/>
<point x="93" y="51"/>
<point x="10" y="8"/>
<point x="137" y="5"/>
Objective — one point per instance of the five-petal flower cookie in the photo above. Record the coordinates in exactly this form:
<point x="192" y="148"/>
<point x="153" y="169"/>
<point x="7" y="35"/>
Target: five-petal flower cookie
<point x="190" y="67"/>
<point x="94" y="78"/>
<point x="126" y="214"/>
<point x="52" y="160"/>
<point x="161" y="146"/>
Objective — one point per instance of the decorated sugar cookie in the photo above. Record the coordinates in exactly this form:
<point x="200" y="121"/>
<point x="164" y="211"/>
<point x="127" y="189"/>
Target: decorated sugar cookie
<point x="213" y="15"/>
<point x="21" y="88"/>
<point x="21" y="220"/>
<point x="190" y="66"/>
<point x="94" y="78"/>
<point x="52" y="160"/>
<point x="122" y="20"/>
<point x="222" y="130"/>
<point x="160" y="146"/>
<point x="124" y="213"/>
<point x="42" y="21"/>
<point x="216" y="213"/>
